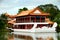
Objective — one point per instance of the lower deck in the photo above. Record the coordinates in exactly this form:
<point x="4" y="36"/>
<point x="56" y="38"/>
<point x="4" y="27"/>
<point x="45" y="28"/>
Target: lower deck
<point x="29" y="26"/>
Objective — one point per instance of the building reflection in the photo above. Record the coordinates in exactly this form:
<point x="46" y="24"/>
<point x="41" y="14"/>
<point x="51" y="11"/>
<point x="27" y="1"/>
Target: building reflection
<point x="33" y="36"/>
<point x="39" y="38"/>
<point x="49" y="38"/>
<point x="10" y="37"/>
<point x="24" y="37"/>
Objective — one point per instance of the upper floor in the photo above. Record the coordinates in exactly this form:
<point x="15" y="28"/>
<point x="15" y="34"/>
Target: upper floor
<point x="34" y="15"/>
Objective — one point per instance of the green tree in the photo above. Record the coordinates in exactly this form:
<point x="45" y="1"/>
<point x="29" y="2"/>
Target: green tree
<point x="24" y="9"/>
<point x="3" y="21"/>
<point x="50" y="8"/>
<point x="54" y="13"/>
<point x="57" y="19"/>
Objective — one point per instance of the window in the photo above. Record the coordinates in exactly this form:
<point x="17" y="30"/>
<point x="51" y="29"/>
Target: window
<point x="42" y="19"/>
<point x="32" y="19"/>
<point x="37" y="18"/>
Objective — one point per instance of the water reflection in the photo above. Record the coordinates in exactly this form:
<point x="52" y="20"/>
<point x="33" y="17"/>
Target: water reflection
<point x="58" y="36"/>
<point x="3" y="35"/>
<point x="29" y="36"/>
<point x="23" y="37"/>
<point x="10" y="37"/>
<point x="34" y="36"/>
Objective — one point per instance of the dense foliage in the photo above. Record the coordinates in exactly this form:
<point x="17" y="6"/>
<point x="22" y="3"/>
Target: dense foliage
<point x="3" y="21"/>
<point x="24" y="9"/>
<point x="54" y="13"/>
<point x="50" y="8"/>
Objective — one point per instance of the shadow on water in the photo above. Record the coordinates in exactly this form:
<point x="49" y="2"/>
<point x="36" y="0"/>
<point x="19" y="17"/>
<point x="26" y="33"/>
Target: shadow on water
<point x="29" y="36"/>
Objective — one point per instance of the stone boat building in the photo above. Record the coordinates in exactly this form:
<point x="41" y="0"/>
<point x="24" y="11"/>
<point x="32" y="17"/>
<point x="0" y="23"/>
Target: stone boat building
<point x="29" y="17"/>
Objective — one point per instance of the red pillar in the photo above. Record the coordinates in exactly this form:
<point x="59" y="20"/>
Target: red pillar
<point x="40" y="19"/>
<point x="35" y="19"/>
<point x="30" y="18"/>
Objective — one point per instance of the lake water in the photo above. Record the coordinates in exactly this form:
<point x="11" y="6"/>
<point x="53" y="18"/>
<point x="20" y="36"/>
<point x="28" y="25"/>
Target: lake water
<point x="29" y="36"/>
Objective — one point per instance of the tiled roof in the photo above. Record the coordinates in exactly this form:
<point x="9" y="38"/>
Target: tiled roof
<point x="23" y="13"/>
<point x="10" y="16"/>
<point x="28" y="12"/>
<point x="48" y="20"/>
<point x="31" y="12"/>
<point x="11" y="21"/>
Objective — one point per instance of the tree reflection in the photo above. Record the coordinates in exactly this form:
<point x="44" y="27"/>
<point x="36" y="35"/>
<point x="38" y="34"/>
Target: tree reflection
<point x="3" y="35"/>
<point x="58" y="36"/>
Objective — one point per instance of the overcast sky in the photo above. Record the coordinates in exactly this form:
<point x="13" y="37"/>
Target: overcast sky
<point x="12" y="6"/>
